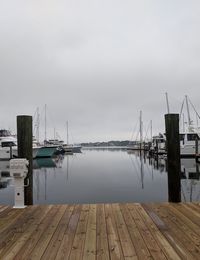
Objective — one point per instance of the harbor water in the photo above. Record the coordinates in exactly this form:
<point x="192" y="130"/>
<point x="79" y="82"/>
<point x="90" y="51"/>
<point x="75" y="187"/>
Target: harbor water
<point x="102" y="176"/>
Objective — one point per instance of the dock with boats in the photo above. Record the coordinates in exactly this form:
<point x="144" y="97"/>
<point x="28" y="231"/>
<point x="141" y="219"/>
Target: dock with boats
<point x="101" y="231"/>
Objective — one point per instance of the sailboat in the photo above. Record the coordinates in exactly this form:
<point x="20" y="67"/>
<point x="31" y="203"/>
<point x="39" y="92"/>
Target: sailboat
<point x="71" y="147"/>
<point x="138" y="145"/>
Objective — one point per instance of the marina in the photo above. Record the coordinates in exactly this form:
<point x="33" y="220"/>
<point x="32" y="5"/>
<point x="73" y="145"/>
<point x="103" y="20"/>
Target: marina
<point x="99" y="130"/>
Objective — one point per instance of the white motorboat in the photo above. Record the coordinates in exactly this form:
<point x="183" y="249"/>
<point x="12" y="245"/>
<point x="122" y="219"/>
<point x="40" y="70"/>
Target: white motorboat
<point x="188" y="143"/>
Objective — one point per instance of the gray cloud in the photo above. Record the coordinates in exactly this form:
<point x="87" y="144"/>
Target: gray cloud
<point x="97" y="64"/>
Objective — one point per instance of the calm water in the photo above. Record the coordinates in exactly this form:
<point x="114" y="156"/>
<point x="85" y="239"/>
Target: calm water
<point x="96" y="176"/>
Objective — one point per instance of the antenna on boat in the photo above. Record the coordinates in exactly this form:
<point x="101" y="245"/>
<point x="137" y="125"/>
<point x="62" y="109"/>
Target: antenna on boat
<point x="167" y="101"/>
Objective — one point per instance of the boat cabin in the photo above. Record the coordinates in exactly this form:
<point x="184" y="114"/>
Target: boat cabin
<point x="188" y="137"/>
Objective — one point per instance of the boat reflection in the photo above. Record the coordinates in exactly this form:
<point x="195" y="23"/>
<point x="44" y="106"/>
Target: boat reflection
<point x="190" y="173"/>
<point x="5" y="179"/>
<point x="190" y="180"/>
<point x="40" y="163"/>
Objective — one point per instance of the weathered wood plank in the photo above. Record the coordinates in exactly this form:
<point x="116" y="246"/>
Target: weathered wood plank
<point x="43" y="241"/>
<point x="36" y="218"/>
<point x="68" y="238"/>
<point x="178" y="234"/>
<point x="165" y="246"/>
<point x="9" y="218"/>
<point x="138" y="242"/>
<point x="79" y="239"/>
<point x="126" y="242"/>
<point x="13" y="232"/>
<point x="40" y="228"/>
<point x="115" y="249"/>
<point x="102" y="237"/>
<point x="58" y="235"/>
<point x="150" y="241"/>
<point x="90" y="240"/>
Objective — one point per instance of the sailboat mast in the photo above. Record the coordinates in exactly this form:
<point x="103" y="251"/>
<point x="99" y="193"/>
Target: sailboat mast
<point x="45" y="122"/>
<point x="167" y="101"/>
<point x="151" y="127"/>
<point x="38" y="125"/>
<point x="141" y="136"/>
<point x="67" y="133"/>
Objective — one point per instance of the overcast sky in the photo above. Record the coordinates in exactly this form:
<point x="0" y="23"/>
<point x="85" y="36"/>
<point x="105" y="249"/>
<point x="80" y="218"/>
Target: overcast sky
<point x="97" y="63"/>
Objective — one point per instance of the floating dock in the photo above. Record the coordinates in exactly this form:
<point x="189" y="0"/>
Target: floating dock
<point x="101" y="231"/>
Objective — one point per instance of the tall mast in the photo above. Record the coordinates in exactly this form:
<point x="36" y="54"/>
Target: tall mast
<point x="188" y="112"/>
<point x="141" y="136"/>
<point x="45" y="122"/>
<point x="38" y="125"/>
<point x="67" y="133"/>
<point x="167" y="101"/>
<point x="151" y="127"/>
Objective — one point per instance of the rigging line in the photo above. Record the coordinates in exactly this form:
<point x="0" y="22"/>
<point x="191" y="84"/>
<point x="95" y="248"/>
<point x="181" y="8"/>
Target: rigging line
<point x="147" y="130"/>
<point x="35" y="114"/>
<point x="194" y="108"/>
<point x="134" y="131"/>
<point x="137" y="135"/>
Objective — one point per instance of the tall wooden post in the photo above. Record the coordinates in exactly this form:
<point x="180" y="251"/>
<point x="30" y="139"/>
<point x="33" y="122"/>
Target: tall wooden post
<point x="25" y="150"/>
<point x="173" y="157"/>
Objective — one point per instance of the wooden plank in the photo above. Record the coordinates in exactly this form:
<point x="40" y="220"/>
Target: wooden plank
<point x="102" y="237"/>
<point x="162" y="242"/>
<point x="178" y="234"/>
<point x="10" y="218"/>
<point x="187" y="221"/>
<point x="40" y="228"/>
<point x="67" y="241"/>
<point x="38" y="215"/>
<point x="194" y="207"/>
<point x="9" y="235"/>
<point x="115" y="249"/>
<point x="150" y="241"/>
<point x="138" y="242"/>
<point x="189" y="213"/>
<point x="6" y="211"/>
<point x="90" y="240"/>
<point x="126" y="242"/>
<point x="43" y="241"/>
<point x="3" y="208"/>
<point x="53" y="246"/>
<point x="79" y="239"/>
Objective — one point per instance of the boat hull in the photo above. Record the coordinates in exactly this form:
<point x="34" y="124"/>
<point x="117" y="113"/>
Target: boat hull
<point x="46" y="152"/>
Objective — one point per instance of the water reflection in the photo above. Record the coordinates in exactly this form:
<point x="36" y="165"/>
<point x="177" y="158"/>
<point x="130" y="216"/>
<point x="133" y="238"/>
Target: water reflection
<point x="190" y="180"/>
<point x="97" y="176"/>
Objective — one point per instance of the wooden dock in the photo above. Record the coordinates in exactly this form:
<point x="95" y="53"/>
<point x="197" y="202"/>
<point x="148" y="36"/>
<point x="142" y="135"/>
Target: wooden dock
<point x="101" y="231"/>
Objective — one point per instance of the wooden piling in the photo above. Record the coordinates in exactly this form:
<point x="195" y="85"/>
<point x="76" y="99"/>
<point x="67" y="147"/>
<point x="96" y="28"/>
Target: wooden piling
<point x="25" y="150"/>
<point x="173" y="157"/>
